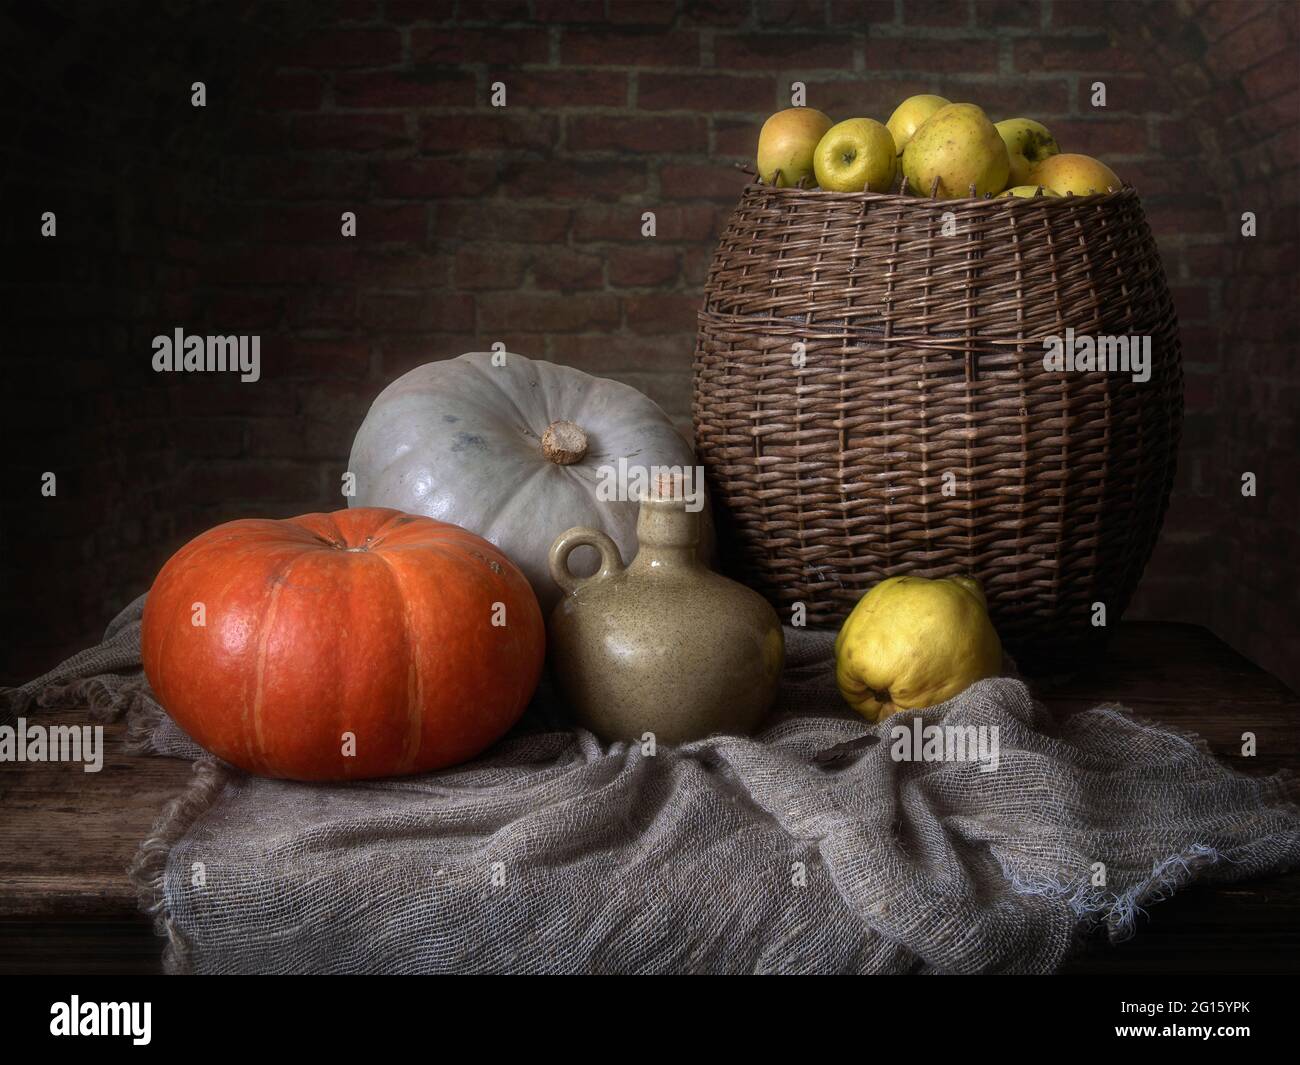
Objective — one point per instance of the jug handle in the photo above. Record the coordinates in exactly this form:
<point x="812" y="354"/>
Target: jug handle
<point x="611" y="563"/>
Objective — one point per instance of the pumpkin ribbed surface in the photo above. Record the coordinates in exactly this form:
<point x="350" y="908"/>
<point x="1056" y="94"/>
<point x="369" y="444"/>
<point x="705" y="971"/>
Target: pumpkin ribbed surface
<point x="357" y="644"/>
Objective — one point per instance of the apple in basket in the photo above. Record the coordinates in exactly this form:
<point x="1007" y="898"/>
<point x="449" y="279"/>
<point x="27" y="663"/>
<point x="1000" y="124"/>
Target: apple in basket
<point x="911" y="115"/>
<point x="1081" y="175"/>
<point x="1028" y="144"/>
<point x="856" y="155"/>
<point x="786" y="144"/>
<point x="1028" y="192"/>
<point x="958" y="147"/>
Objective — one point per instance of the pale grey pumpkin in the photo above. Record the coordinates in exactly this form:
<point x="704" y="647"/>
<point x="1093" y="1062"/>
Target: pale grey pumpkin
<point x="467" y="441"/>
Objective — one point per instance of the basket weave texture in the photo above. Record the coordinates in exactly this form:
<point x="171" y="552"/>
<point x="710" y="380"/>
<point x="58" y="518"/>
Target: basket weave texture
<point x="871" y="400"/>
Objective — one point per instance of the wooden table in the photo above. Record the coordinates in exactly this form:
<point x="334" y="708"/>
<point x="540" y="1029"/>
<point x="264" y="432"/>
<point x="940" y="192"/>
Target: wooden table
<point x="66" y="838"/>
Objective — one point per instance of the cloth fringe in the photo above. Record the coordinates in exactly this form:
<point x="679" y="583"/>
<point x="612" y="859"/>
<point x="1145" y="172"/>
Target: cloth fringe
<point x="148" y="872"/>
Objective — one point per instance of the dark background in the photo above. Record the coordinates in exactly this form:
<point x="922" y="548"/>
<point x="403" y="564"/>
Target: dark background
<point x="522" y="225"/>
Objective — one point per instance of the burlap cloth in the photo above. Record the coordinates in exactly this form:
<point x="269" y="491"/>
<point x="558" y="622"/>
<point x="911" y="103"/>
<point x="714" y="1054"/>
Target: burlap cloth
<point x="556" y="854"/>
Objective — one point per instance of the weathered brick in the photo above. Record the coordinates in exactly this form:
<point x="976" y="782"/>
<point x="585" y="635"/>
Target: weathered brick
<point x="1191" y="301"/>
<point x="268" y="479"/>
<point x="317" y="307"/>
<point x="696" y="261"/>
<point x="1079" y="14"/>
<point x="460" y="46"/>
<point x="642" y="267"/>
<point x="658" y="135"/>
<point x="338" y="48"/>
<point x="643" y="12"/>
<point x="800" y="52"/>
<point x="401" y="267"/>
<point x="502" y="221"/>
<point x="491" y="266"/>
<point x="404" y="312"/>
<point x="492" y="10"/>
<point x="291" y="91"/>
<point x="623" y="223"/>
<point x="945" y="13"/>
<point x="569" y="180"/>
<point x="734" y="139"/>
<point x="662" y="312"/>
<point x="1092" y="56"/>
<point x="714" y="181"/>
<point x="651" y="48"/>
<point x="563" y="268"/>
<point x="705" y="92"/>
<point x="547" y="312"/>
<point x="406" y="179"/>
<point x="606" y="353"/>
<point x="1004" y="14"/>
<point x="927" y="55"/>
<point x="379" y="89"/>
<point x="570" y="89"/>
<point x="400" y="353"/>
<point x="495" y="129"/>
<point x="314" y="357"/>
<point x="842" y="98"/>
<point x="209" y="438"/>
<point x="1102" y="137"/>
<point x="779" y="14"/>
<point x="244" y="311"/>
<point x="862" y="12"/>
<point x="398" y="223"/>
<point x="284" y="264"/>
<point x="1249" y="43"/>
<point x="351" y="132"/>
<point x="1038" y="97"/>
<point x="548" y="11"/>
<point x="319" y="177"/>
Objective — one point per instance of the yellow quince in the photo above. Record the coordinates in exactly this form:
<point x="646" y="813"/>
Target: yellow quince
<point x="912" y="642"/>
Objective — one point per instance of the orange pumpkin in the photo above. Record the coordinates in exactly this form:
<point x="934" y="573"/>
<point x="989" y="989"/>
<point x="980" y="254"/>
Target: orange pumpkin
<point x="341" y="646"/>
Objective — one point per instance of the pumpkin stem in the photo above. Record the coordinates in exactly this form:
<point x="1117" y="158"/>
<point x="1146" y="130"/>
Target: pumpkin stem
<point x="564" y="443"/>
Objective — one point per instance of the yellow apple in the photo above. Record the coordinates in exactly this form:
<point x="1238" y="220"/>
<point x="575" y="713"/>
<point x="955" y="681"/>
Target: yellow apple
<point x="1081" y="175"/>
<point x="786" y="143"/>
<point x="855" y="155"/>
<point x="910" y="115"/>
<point x="960" y="147"/>
<point x="1028" y="144"/>
<point x="1028" y="192"/>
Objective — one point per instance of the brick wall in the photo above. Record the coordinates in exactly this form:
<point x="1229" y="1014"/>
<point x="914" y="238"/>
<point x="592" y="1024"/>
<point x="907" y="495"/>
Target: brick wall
<point x="522" y="224"/>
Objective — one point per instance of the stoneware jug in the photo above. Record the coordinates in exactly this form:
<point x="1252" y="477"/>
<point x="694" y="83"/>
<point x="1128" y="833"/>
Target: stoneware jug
<point x="663" y="645"/>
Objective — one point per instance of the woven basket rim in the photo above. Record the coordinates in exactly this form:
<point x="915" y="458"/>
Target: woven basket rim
<point x="1055" y="203"/>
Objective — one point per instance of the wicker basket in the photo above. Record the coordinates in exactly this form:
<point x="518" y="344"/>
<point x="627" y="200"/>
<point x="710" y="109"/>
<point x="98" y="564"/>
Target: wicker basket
<point x="921" y="432"/>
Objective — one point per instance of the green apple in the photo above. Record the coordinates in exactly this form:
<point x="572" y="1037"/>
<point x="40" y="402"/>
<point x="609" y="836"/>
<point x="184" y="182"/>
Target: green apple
<point x="786" y="144"/>
<point x="856" y="155"/>
<point x="959" y="147"/>
<point x="1028" y="192"/>
<point x="910" y="115"/>
<point x="1028" y="144"/>
<point x="1081" y="175"/>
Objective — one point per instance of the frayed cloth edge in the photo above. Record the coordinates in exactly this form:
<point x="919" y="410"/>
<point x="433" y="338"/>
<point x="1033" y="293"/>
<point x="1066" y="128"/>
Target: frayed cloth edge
<point x="148" y="872"/>
<point x="1119" y="912"/>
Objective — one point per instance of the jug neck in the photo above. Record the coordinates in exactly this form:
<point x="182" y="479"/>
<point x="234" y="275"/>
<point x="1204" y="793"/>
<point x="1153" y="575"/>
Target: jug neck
<point x="668" y="534"/>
